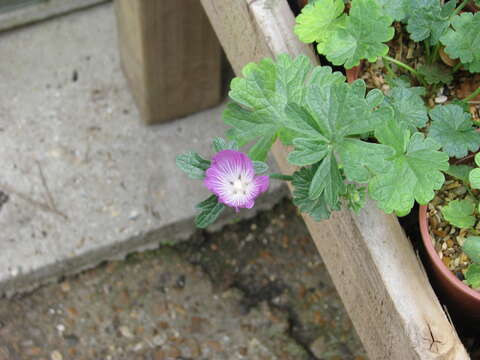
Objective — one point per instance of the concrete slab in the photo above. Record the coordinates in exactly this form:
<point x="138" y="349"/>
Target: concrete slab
<point x="82" y="179"/>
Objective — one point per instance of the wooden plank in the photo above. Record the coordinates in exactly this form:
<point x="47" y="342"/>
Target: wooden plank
<point x="170" y="56"/>
<point x="372" y="263"/>
<point x="41" y="10"/>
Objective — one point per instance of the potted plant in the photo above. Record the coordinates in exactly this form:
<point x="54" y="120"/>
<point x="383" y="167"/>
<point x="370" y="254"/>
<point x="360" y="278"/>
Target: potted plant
<point x="389" y="134"/>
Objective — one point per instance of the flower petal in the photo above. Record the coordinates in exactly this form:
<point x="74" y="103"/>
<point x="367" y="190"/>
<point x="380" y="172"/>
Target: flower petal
<point x="262" y="182"/>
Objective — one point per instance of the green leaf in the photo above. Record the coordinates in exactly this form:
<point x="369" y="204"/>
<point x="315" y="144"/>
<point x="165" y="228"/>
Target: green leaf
<point x="472" y="276"/>
<point x="210" y="209"/>
<point x="427" y="20"/>
<point x="474" y="178"/>
<point x="307" y="151"/>
<point x="463" y="40"/>
<point x="459" y="213"/>
<point x="362" y="160"/>
<point x="259" y="100"/>
<point x="402" y="81"/>
<point x="461" y="172"/>
<point x="331" y="115"/>
<point x="260" y="167"/>
<point x="220" y="144"/>
<point x="318" y="208"/>
<point x="435" y="73"/>
<point x="260" y="150"/>
<point x="464" y="105"/>
<point x="408" y="106"/>
<point x="327" y="181"/>
<point x="193" y="164"/>
<point x="477" y="159"/>
<point x="341" y="110"/>
<point x="394" y="8"/>
<point x="471" y="247"/>
<point x="415" y="170"/>
<point x="361" y="36"/>
<point x="318" y="20"/>
<point x="453" y="129"/>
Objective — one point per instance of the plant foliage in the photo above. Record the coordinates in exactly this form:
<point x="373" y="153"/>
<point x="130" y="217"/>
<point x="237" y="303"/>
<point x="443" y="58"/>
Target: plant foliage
<point x="415" y="170"/>
<point x="453" y="129"/>
<point x="463" y="41"/>
<point x="346" y="39"/>
<point x="460" y="213"/>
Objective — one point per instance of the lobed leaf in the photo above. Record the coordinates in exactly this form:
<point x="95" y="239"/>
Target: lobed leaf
<point x="435" y="73"/>
<point x="471" y="247"/>
<point x="472" y="276"/>
<point x="317" y="208"/>
<point x="459" y="213"/>
<point x="460" y="172"/>
<point x="361" y="35"/>
<point x="427" y="19"/>
<point x="318" y="20"/>
<point x="462" y="41"/>
<point x="361" y="160"/>
<point x="453" y="129"/>
<point x="193" y="164"/>
<point x="474" y="178"/>
<point x="327" y="182"/>
<point x="394" y="8"/>
<point x="408" y="106"/>
<point x="415" y="170"/>
<point x="260" y="97"/>
<point x="331" y="115"/>
<point x="210" y="209"/>
<point x="220" y="144"/>
<point x="307" y="151"/>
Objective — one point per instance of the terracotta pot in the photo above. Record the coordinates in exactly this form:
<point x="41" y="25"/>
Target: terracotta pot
<point x="464" y="301"/>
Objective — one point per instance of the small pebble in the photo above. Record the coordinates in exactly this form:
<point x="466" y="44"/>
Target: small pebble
<point x="56" y="355"/>
<point x="125" y="331"/>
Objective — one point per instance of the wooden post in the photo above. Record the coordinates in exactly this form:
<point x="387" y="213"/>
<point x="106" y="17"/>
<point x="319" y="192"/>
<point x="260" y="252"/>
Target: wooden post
<point x="170" y="56"/>
<point x="369" y="258"/>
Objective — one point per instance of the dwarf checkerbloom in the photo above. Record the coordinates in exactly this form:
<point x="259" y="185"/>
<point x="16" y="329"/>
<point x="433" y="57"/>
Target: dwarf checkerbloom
<point x="231" y="177"/>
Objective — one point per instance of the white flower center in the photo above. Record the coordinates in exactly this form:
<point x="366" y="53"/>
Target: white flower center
<point x="238" y="185"/>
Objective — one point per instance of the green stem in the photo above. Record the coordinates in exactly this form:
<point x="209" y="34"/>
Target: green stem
<point x="436" y="49"/>
<point x="389" y="69"/>
<point x="460" y="7"/>
<point x="472" y="95"/>
<point x="456" y="67"/>
<point x="427" y="50"/>
<point x="281" y="177"/>
<point x="406" y="67"/>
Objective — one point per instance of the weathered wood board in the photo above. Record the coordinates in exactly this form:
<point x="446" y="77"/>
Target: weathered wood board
<point x="170" y="56"/>
<point x="372" y="263"/>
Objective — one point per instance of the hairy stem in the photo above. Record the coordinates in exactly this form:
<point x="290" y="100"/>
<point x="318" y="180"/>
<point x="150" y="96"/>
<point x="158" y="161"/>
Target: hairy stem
<point x="472" y="95"/>
<point x="460" y="7"/>
<point x="436" y="49"/>
<point x="389" y="69"/>
<point x="406" y="67"/>
<point x="456" y="67"/>
<point x="281" y="177"/>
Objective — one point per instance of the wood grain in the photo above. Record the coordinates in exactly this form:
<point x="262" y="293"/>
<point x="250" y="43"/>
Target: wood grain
<point x="170" y="56"/>
<point x="372" y="263"/>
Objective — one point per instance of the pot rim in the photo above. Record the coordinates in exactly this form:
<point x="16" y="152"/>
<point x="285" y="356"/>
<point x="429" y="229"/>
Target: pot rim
<point x="427" y="242"/>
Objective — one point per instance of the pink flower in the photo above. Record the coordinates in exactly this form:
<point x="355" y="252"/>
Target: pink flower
<point x="232" y="178"/>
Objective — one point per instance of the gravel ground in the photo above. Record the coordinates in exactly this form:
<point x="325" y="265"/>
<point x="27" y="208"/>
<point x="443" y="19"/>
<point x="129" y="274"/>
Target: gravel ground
<point x="256" y="290"/>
